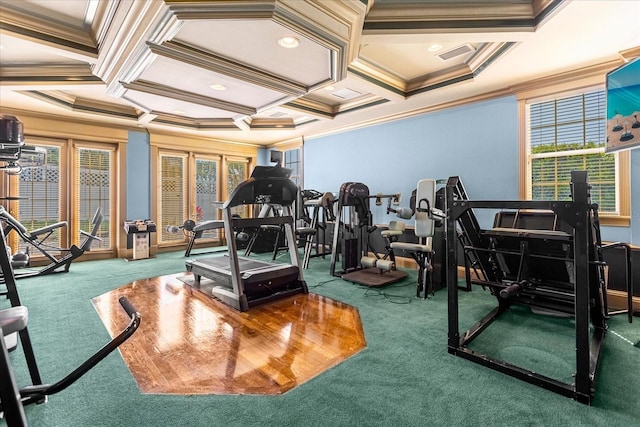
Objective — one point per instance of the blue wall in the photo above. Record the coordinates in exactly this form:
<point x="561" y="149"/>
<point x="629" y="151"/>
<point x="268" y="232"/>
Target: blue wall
<point x="478" y="142"/>
<point x="138" y="176"/>
<point x="263" y="157"/>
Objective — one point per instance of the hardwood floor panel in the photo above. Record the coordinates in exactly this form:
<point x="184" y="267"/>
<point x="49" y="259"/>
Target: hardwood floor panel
<point x="190" y="343"/>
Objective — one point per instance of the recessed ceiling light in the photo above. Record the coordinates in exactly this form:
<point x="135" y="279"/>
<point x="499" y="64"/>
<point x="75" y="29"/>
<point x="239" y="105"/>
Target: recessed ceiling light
<point x="329" y="88"/>
<point x="434" y="47"/>
<point x="218" y="87"/>
<point x="179" y="113"/>
<point x="289" y="42"/>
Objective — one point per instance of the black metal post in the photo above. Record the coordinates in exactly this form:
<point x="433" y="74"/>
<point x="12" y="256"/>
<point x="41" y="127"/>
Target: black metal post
<point x="452" y="270"/>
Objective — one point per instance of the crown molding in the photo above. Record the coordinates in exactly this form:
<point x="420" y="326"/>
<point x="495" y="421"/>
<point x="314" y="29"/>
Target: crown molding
<point x="402" y="18"/>
<point x="193" y="98"/>
<point x="412" y="113"/>
<point x="582" y="77"/>
<point x="76" y="42"/>
<point x="324" y="110"/>
<point x="227" y="67"/>
<point x="127" y="30"/>
<point x="195" y="124"/>
<point x="48" y="74"/>
<point x="53" y="126"/>
<point x="82" y="105"/>
<point x="629" y="54"/>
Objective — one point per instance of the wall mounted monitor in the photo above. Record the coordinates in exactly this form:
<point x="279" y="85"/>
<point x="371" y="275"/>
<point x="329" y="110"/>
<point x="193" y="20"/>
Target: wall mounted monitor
<point x="623" y="107"/>
<point x="276" y="157"/>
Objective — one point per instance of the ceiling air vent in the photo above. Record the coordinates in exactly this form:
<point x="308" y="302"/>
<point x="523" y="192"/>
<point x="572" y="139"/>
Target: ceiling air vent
<point x="346" y="93"/>
<point x="460" y="50"/>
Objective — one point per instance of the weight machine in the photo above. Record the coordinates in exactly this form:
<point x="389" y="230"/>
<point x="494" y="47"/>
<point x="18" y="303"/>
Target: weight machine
<point x="352" y="228"/>
<point x="559" y="270"/>
<point x="426" y="216"/>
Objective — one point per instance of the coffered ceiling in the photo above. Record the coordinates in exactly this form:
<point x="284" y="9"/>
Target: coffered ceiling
<point x="217" y="69"/>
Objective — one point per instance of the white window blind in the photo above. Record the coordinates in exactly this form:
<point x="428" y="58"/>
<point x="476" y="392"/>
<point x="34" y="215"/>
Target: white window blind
<point x="566" y="134"/>
<point x="206" y="193"/>
<point x="173" y="207"/>
<point x="293" y="161"/>
<point x="39" y="189"/>
<point x="236" y="173"/>
<point x="94" y="190"/>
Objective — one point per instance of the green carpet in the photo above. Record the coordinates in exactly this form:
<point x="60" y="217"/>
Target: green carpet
<point x="404" y="377"/>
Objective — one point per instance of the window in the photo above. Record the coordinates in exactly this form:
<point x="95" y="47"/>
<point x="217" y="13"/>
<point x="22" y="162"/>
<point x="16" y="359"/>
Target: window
<point x="173" y="208"/>
<point x="39" y="188"/>
<point x="192" y="182"/>
<point x="94" y="190"/>
<point x="207" y="193"/>
<point x="67" y="190"/>
<point x="237" y="172"/>
<point x="293" y="161"/>
<point x="569" y="133"/>
<point x="191" y="185"/>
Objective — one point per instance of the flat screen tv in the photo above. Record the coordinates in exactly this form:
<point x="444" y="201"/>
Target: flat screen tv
<point x="623" y="107"/>
<point x="276" y="157"/>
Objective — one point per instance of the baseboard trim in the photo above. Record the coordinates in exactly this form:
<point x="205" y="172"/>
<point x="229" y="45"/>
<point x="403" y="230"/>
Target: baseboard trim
<point x="616" y="299"/>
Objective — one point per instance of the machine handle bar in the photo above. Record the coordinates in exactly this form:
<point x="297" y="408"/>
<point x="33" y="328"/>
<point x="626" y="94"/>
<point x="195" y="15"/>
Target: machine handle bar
<point x="35" y="393"/>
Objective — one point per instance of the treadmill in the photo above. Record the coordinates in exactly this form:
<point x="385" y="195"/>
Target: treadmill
<point x="242" y="282"/>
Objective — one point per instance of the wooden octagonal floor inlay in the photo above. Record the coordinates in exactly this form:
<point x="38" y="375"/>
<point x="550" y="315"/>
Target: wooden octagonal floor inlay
<point x="190" y="343"/>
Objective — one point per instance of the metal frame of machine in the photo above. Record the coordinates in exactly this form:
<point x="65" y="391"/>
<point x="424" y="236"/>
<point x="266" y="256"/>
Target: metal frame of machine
<point x="38" y="240"/>
<point x="241" y="282"/>
<point x="582" y="295"/>
<point x="351" y="245"/>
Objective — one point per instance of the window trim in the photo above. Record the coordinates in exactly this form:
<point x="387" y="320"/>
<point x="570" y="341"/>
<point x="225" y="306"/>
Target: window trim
<point x="623" y="174"/>
<point x="297" y="144"/>
<point x="193" y="196"/>
<point x="300" y="162"/>
<point x="185" y="156"/>
<point x="249" y="162"/>
<point x="63" y="177"/>
<point x="193" y="147"/>
<point x="74" y="196"/>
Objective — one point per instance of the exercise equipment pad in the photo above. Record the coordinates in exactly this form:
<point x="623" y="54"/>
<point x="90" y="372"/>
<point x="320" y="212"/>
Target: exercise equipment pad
<point x="371" y="277"/>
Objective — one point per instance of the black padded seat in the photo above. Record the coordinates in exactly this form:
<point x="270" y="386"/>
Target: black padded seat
<point x="38" y="231"/>
<point x="305" y="231"/>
